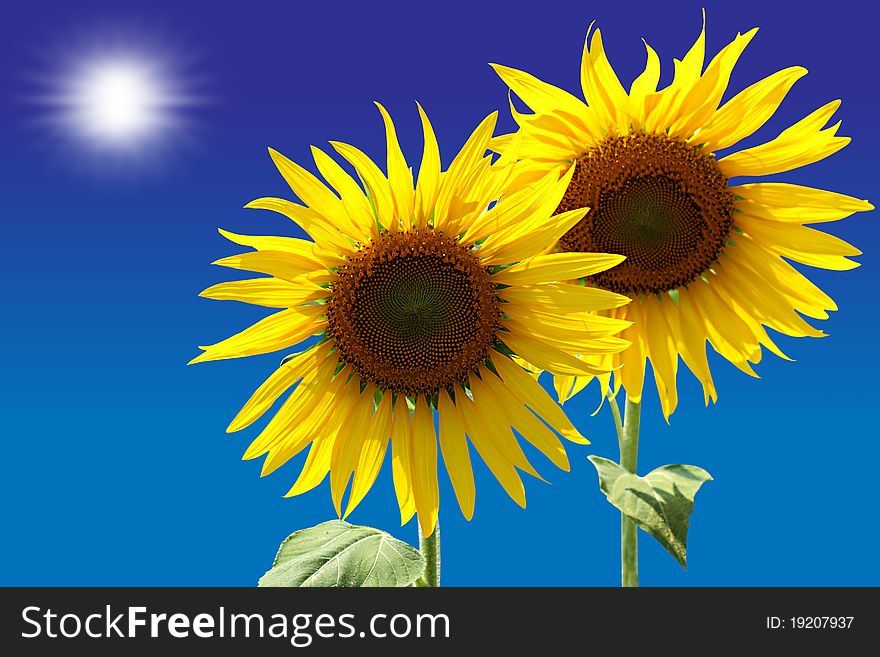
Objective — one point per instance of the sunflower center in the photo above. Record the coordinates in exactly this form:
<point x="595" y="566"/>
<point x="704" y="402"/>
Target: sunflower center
<point x="414" y="312"/>
<point x="657" y="200"/>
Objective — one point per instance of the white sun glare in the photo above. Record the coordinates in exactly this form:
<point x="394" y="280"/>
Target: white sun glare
<point x="114" y="98"/>
<point x="118" y="103"/>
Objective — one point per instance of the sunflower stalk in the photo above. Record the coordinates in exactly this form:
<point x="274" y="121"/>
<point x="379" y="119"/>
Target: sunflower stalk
<point x="429" y="546"/>
<point x="628" y="440"/>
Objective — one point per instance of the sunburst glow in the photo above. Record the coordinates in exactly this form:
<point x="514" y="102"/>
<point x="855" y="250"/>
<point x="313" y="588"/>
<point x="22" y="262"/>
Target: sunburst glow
<point x="116" y="103"/>
<point x="118" y="98"/>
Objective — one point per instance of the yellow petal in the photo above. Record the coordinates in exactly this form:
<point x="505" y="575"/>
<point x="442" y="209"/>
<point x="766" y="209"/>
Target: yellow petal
<point x="308" y="406"/>
<point x="776" y="307"/>
<point x="692" y="345"/>
<point x="349" y="441"/>
<point x="315" y="413"/>
<point x="429" y="174"/>
<point x="725" y="330"/>
<point x="325" y="231"/>
<point x="500" y="143"/>
<point x="401" y="449"/>
<point x="573" y="324"/>
<point x="279" y="264"/>
<point x="563" y="385"/>
<point x="688" y="70"/>
<point x="545" y="98"/>
<point x="537" y="229"/>
<point x="700" y="103"/>
<point x="522" y="244"/>
<point x="488" y="405"/>
<point x="646" y="82"/>
<point x="572" y="342"/>
<point x="456" y="455"/>
<point x="374" y="180"/>
<point x="555" y="267"/>
<point x="279" y="331"/>
<point x="281" y="380"/>
<point x="307" y="187"/>
<point x="799" y="243"/>
<point x="423" y="466"/>
<point x="306" y="251"/>
<point x="558" y="136"/>
<point x="740" y="306"/>
<point x="399" y="174"/>
<point x="632" y="374"/>
<point x="268" y="292"/>
<point x="567" y="386"/>
<point x="372" y="453"/>
<point x="514" y="208"/>
<point x="547" y="356"/>
<point x="530" y="393"/>
<point x="454" y="184"/>
<point x="601" y="86"/>
<point x="803" y="143"/>
<point x="663" y="355"/>
<point x="528" y="425"/>
<point x="796" y="204"/>
<point x="664" y="106"/>
<point x="482" y="432"/>
<point x="743" y="114"/>
<point x="298" y="438"/>
<point x="361" y="222"/>
<point x="795" y="288"/>
<point x="316" y="467"/>
<point x="563" y="298"/>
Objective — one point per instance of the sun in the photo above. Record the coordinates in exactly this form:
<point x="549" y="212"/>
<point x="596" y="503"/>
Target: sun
<point x="118" y="97"/>
<point x="118" y="103"/>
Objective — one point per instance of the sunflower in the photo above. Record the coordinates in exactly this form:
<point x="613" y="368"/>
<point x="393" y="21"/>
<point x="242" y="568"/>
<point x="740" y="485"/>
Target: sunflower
<point x="421" y="296"/>
<point x="705" y="260"/>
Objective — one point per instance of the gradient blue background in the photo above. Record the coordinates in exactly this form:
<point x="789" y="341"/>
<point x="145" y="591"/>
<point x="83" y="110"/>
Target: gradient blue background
<point x="115" y="467"/>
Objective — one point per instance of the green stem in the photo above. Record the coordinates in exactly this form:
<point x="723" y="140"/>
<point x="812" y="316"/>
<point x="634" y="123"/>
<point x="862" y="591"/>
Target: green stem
<point x="429" y="546"/>
<point x="628" y="439"/>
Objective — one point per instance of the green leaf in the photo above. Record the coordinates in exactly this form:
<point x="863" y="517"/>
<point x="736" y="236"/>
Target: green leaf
<point x="660" y="502"/>
<point x="336" y="553"/>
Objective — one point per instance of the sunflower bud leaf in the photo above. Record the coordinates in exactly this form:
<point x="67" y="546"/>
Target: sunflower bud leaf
<point x="336" y="553"/>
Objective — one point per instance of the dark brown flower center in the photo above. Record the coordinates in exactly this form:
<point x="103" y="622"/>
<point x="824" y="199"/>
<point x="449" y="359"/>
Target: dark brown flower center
<point x="414" y="312"/>
<point x="659" y="201"/>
